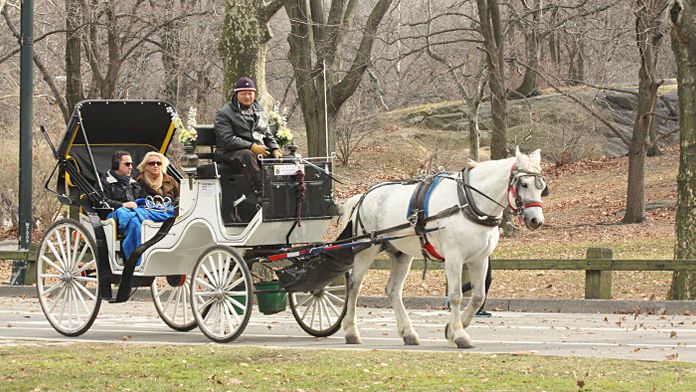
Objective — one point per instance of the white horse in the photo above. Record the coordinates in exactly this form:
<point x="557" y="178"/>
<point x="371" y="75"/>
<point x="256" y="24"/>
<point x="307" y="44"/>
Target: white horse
<point x="515" y="182"/>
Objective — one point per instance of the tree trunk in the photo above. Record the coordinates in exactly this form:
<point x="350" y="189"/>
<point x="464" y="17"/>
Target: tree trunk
<point x="170" y="53"/>
<point x="681" y="14"/>
<point x="243" y="45"/>
<point x="73" y="57"/>
<point x="314" y="39"/>
<point x="528" y="86"/>
<point x="648" y="38"/>
<point x="491" y="30"/>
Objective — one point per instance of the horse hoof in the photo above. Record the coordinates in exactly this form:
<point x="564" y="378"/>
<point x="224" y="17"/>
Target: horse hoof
<point x="463" y="343"/>
<point x="411" y="340"/>
<point x="353" y="340"/>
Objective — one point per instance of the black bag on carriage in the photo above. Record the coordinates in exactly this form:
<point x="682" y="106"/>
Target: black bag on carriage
<point x="316" y="271"/>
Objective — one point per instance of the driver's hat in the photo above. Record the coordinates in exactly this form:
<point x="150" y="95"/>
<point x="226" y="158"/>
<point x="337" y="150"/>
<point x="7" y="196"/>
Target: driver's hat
<point x="244" y="84"/>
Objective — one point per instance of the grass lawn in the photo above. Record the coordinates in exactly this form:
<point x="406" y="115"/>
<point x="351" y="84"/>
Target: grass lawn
<point x="214" y="367"/>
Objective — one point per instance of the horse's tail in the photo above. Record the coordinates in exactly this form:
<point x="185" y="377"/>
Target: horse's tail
<point x="346" y="220"/>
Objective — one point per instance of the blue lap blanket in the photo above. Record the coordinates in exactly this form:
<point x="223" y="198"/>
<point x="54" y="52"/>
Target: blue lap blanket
<point x="130" y="223"/>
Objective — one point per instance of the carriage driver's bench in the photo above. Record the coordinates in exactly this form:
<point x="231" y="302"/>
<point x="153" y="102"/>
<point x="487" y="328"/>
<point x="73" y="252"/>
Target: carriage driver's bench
<point x="282" y="187"/>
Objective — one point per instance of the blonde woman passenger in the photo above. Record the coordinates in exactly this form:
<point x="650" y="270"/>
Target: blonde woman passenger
<point x="153" y="177"/>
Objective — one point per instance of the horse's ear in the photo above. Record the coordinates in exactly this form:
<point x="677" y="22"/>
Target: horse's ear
<point x="536" y="155"/>
<point x="517" y="152"/>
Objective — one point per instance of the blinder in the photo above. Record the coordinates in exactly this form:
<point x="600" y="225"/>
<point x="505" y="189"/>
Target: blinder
<point x="545" y="192"/>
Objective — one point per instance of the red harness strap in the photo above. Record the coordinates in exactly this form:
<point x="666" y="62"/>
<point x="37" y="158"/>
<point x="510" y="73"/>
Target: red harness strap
<point x="431" y="250"/>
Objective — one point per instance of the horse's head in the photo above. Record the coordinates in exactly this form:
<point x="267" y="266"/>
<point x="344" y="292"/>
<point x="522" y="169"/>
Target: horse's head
<point x="526" y="189"/>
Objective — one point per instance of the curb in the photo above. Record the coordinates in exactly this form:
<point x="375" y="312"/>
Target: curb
<point x="541" y="305"/>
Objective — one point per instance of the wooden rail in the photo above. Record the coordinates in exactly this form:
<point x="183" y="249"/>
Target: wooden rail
<point x="29" y="256"/>
<point x="598" y="267"/>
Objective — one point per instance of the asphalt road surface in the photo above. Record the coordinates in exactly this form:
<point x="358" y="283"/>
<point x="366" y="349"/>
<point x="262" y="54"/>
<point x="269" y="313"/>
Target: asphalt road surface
<point x="645" y="337"/>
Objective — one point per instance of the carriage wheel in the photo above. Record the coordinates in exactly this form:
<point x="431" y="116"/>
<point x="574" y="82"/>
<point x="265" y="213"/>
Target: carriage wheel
<point x="221" y="292"/>
<point x="172" y="298"/>
<point x="67" y="278"/>
<point x="320" y="312"/>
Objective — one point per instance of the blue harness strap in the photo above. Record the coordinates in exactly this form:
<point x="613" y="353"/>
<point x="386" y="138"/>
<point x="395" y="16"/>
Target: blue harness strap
<point x="415" y="202"/>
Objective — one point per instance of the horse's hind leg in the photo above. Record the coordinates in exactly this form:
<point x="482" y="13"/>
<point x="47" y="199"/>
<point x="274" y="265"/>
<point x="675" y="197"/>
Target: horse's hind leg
<point x="401" y="264"/>
<point x="361" y="265"/>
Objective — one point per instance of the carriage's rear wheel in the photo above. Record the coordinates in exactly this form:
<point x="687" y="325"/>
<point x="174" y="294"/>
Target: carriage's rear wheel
<point x="320" y="312"/>
<point x="172" y="298"/>
<point x="67" y="279"/>
<point x="221" y="293"/>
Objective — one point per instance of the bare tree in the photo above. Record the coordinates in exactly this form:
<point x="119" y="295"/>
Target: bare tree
<point x="649" y="33"/>
<point x="493" y="43"/>
<point x="315" y="38"/>
<point x="243" y="43"/>
<point x="681" y="14"/>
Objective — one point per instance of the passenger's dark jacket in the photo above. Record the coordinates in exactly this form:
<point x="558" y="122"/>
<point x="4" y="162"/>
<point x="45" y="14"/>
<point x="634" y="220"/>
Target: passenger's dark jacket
<point x="117" y="194"/>
<point x="235" y="130"/>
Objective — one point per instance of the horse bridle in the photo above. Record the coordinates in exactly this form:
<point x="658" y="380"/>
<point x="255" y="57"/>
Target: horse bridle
<point x="513" y="190"/>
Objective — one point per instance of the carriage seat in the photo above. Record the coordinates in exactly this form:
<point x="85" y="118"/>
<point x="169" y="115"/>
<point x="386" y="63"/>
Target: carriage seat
<point x="233" y="183"/>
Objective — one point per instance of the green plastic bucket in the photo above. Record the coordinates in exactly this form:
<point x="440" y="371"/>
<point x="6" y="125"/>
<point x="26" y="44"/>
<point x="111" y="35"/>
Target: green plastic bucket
<point x="269" y="300"/>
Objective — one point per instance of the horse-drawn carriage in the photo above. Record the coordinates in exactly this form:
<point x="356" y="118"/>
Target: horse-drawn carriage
<point x="197" y="264"/>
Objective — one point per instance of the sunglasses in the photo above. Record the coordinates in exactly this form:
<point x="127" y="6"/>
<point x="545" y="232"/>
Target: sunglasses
<point x="129" y="164"/>
<point x="155" y="163"/>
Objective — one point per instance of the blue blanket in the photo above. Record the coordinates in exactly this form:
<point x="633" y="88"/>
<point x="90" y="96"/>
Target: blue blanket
<point x="130" y="223"/>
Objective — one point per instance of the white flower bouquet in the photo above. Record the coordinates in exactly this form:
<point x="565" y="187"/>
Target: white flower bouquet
<point x="187" y="134"/>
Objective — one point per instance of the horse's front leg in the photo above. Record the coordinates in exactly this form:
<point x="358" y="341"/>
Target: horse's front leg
<point x="401" y="264"/>
<point x="361" y="265"/>
<point x="456" y="335"/>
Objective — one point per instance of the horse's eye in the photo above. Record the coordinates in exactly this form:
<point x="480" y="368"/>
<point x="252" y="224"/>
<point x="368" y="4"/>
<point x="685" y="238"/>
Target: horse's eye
<point x="524" y="185"/>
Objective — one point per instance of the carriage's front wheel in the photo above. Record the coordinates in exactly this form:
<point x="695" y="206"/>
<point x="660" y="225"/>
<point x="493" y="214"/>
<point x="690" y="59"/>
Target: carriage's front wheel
<point x="172" y="298"/>
<point x="221" y="293"/>
<point x="67" y="279"/>
<point x="320" y="312"/>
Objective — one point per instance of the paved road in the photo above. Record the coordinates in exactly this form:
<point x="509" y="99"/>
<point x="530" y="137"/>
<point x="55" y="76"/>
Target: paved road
<point x="644" y="337"/>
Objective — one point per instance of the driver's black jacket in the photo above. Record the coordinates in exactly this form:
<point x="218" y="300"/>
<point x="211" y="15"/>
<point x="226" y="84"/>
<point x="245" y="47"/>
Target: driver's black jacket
<point x="237" y="129"/>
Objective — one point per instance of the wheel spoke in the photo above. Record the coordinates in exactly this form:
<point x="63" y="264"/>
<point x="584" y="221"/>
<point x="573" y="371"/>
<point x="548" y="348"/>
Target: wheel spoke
<point x="64" y="259"/>
<point x="238" y="304"/>
<point x="84" y="267"/>
<point x="331" y="305"/>
<point x="235" y="283"/>
<point x="335" y="288"/>
<point x="56" y="286"/>
<point x="59" y="258"/>
<point x="232" y="274"/>
<point x="85" y="279"/>
<point x="169" y="290"/>
<point x="82" y="300"/>
<point x="334" y="297"/>
<point x="304" y="298"/>
<point x="52" y="264"/>
<point x="210" y="277"/>
<point x="80" y="257"/>
<point x="231" y="311"/>
<point x="204" y="283"/>
<point x="84" y="289"/>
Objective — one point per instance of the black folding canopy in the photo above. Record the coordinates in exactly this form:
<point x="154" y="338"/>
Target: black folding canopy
<point x="98" y="128"/>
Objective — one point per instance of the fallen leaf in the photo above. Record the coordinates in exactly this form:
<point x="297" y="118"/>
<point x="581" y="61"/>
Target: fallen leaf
<point x="672" y="357"/>
<point x="672" y="334"/>
<point x="580" y="383"/>
<point x="125" y="337"/>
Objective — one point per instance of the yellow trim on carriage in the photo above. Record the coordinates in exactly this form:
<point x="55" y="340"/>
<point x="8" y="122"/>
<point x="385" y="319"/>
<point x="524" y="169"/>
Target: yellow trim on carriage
<point x="167" y="139"/>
